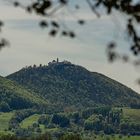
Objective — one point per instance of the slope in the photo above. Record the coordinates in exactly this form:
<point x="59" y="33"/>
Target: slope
<point x="14" y="96"/>
<point x="66" y="85"/>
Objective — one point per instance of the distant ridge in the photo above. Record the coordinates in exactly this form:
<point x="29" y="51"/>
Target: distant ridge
<point x="66" y="85"/>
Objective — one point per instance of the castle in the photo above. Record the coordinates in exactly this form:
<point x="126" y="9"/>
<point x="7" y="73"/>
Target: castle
<point x="55" y="62"/>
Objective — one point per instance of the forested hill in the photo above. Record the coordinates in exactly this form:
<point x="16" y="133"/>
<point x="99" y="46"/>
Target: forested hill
<point x="14" y="97"/>
<point x="67" y="85"/>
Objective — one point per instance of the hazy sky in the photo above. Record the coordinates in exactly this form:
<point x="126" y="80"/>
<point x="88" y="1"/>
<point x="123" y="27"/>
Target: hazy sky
<point x="32" y="45"/>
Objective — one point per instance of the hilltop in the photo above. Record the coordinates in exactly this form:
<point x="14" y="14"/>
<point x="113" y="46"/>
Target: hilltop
<point x="68" y="86"/>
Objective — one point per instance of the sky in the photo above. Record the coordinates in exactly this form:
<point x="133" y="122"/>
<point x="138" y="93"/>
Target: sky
<point x="29" y="44"/>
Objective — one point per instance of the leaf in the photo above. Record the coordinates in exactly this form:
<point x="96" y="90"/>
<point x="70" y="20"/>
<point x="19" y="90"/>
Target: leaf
<point x="64" y="33"/>
<point x="72" y="34"/>
<point x="16" y="3"/>
<point x="55" y="24"/>
<point x="34" y="5"/>
<point x="43" y="24"/>
<point x="111" y="45"/>
<point x="63" y="1"/>
<point x="1" y="23"/>
<point x="81" y="22"/>
<point x="29" y="9"/>
<point x="3" y="43"/>
<point x="77" y="6"/>
<point x="47" y="4"/>
<point x="53" y="32"/>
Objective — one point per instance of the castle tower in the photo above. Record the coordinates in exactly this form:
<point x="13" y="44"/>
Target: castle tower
<point x="57" y="60"/>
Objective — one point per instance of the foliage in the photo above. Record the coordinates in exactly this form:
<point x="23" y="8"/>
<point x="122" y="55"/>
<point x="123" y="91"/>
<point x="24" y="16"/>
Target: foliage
<point x="44" y="119"/>
<point x="108" y="123"/>
<point x="4" y="107"/>
<point x="3" y="42"/>
<point x="19" y="116"/>
<point x="71" y="137"/>
<point x="14" y="97"/>
<point x="112" y="122"/>
<point x="61" y="120"/>
<point x="77" y="101"/>
<point x="65" y="85"/>
<point x="48" y="9"/>
<point x="130" y="128"/>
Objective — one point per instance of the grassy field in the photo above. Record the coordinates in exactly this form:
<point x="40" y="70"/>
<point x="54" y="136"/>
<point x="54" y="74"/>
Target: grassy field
<point x="4" y="120"/>
<point x="134" y="114"/>
<point x="4" y="123"/>
<point x="29" y="121"/>
<point x="33" y="119"/>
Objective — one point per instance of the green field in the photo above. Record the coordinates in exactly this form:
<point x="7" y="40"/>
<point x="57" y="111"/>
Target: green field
<point x="29" y="121"/>
<point x="4" y="120"/>
<point x="4" y="123"/>
<point x="133" y="114"/>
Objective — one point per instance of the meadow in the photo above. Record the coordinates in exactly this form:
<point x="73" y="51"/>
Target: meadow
<point x="133" y="114"/>
<point x="4" y="123"/>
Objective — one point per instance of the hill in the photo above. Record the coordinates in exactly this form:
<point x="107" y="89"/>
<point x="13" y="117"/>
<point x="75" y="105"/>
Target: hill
<point x="14" y="96"/>
<point x="69" y="86"/>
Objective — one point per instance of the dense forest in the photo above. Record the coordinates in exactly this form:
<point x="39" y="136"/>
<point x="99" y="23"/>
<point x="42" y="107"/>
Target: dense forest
<point x="59" y="100"/>
<point x="14" y="97"/>
<point x="66" y="85"/>
<point x="89" y="123"/>
<point x="96" y="120"/>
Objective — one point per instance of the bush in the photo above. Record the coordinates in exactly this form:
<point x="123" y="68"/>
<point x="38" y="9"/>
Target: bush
<point x="4" y="107"/>
<point x="60" y="120"/>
